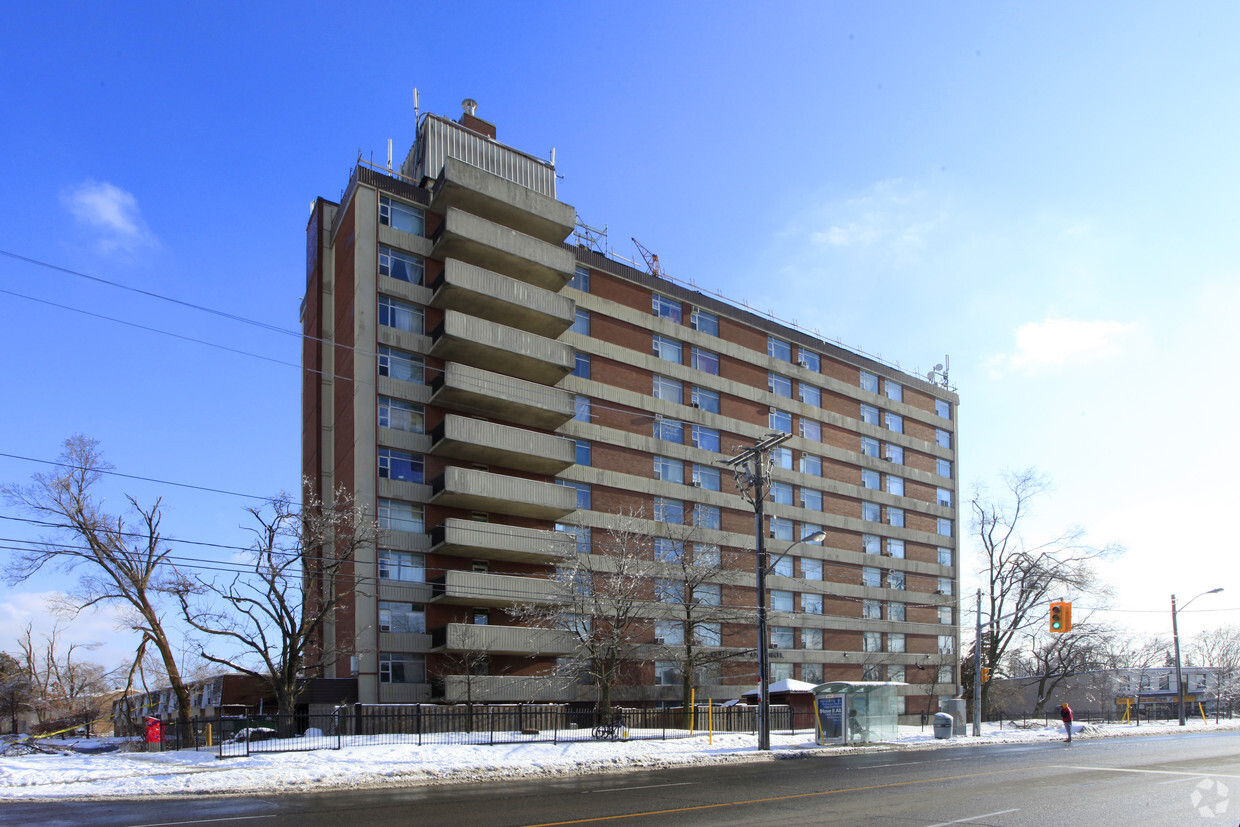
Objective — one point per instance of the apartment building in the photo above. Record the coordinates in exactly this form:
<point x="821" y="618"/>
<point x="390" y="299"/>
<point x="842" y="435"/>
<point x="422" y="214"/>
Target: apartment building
<point x="498" y="393"/>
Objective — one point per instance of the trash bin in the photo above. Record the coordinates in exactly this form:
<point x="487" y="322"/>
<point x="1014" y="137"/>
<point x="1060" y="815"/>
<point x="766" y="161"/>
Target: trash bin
<point x="942" y="725"/>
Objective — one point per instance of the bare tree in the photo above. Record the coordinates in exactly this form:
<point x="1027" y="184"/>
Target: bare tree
<point x="269" y="618"/>
<point x="63" y="686"/>
<point x="120" y="559"/>
<point x="1051" y="659"/>
<point x="1219" y="649"/>
<point x="603" y="603"/>
<point x="16" y="690"/>
<point x="1021" y="577"/>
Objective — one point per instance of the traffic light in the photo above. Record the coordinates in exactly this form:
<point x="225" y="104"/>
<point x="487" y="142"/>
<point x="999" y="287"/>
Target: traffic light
<point x="985" y="674"/>
<point x="1061" y="617"/>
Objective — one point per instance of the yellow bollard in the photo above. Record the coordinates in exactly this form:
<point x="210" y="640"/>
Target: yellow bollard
<point x="710" y="722"/>
<point x="209" y="735"/>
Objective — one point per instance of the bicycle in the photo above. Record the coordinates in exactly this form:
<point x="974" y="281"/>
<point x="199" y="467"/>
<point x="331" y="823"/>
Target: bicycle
<point x="613" y="730"/>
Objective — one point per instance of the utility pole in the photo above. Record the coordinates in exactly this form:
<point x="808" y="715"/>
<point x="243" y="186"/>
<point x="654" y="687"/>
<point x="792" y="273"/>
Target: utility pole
<point x="752" y="468"/>
<point x="977" y="672"/>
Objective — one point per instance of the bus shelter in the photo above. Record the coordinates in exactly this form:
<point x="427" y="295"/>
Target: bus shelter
<point x="857" y="712"/>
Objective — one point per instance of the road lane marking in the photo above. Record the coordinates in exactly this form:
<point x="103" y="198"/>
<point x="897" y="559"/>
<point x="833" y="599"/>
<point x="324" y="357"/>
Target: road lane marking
<point x="1151" y="772"/>
<point x="201" y="821"/>
<point x="974" y="818"/>
<point x="647" y="787"/>
<point x="780" y="798"/>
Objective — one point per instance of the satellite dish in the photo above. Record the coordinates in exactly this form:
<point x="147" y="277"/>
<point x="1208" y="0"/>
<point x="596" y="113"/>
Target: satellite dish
<point x="938" y="367"/>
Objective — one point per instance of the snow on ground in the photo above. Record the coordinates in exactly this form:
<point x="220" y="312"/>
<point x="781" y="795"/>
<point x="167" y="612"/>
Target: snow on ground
<point x="120" y="774"/>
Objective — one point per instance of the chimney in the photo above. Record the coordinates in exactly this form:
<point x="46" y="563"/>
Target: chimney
<point x="474" y="123"/>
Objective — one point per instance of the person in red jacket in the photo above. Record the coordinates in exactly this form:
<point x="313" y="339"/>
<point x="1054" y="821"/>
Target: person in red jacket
<point x="1065" y="712"/>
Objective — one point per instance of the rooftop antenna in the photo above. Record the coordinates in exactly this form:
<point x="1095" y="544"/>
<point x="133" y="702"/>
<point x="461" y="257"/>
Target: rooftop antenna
<point x="415" y="107"/>
<point x="389" y="154"/>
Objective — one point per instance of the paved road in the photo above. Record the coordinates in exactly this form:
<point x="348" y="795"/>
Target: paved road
<point x="1156" y="780"/>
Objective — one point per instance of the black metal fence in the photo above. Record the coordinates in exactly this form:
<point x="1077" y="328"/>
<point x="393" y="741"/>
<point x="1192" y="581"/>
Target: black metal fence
<point x="423" y="724"/>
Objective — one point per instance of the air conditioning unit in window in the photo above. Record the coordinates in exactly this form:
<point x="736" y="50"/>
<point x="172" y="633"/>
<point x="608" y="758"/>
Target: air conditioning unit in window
<point x="802" y="363"/>
<point x="697" y="483"/>
<point x="945" y="503"/>
<point x="940" y="591"/>
<point x="695" y="404"/>
<point x="886" y="553"/>
<point x="659" y="641"/>
<point x="774" y="645"/>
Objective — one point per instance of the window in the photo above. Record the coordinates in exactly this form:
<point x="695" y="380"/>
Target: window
<point x="782" y="565"/>
<point x="666" y="308"/>
<point x="581" y="279"/>
<point x="708" y="634"/>
<point x="781" y="529"/>
<point x="895" y="674"/>
<point x="871" y="576"/>
<point x="580" y="535"/>
<point x="668" y="551"/>
<point x="947" y="645"/>
<point x="943" y="408"/>
<point x="704" y="360"/>
<point x="669" y="430"/>
<point x="808" y="359"/>
<point x="895" y="485"/>
<point x="945" y="615"/>
<point x="944" y="526"/>
<point x="704" y="322"/>
<point x="783" y="637"/>
<point x="402" y="566"/>
<point x="944" y="496"/>
<point x="869" y="382"/>
<point x="778" y="349"/>
<point x="893" y="391"/>
<point x="943" y="438"/>
<point x="402" y="667"/>
<point x="895" y="548"/>
<point x="781" y="493"/>
<point x="811" y="569"/>
<point x="707" y="555"/>
<point x="811" y="430"/>
<point x="708" y="594"/>
<point x="811" y="639"/>
<point x="669" y="470"/>
<point x="869" y="544"/>
<point x="666" y="673"/>
<point x="945" y="585"/>
<point x="401" y="415"/>
<point x="811" y="603"/>
<point x="667" y="389"/>
<point x="669" y="633"/>
<point x="667" y="349"/>
<point x="782" y="458"/>
<point x="781" y="672"/>
<point x="581" y="365"/>
<point x="869" y="414"/>
<point x="581" y="323"/>
<point x="869" y="479"/>
<point x="402" y="618"/>
<point x="401" y="216"/>
<point x="944" y="467"/>
<point x="896" y="612"/>
<point x="705" y="399"/>
<point x="583" y="452"/>
<point x="810" y="395"/>
<point x="895" y="517"/>
<point x="811" y="672"/>
<point x="893" y="453"/>
<point x="399" y="465"/>
<point x="779" y="385"/>
<point x="706" y="438"/>
<point x="895" y="642"/>
<point x="871" y="672"/>
<point x="707" y="516"/>
<point x="945" y="557"/>
<point x="811" y="499"/>
<point x="582" y="489"/>
<point x="869" y="447"/>
<point x="871" y="610"/>
<point x="669" y="511"/>
<point x="780" y="421"/>
<point x="870" y="512"/>
<point x="896" y="580"/>
<point x="1197" y="682"/>
<point x="946" y="675"/>
<point x="669" y="591"/>
<point x="400" y="266"/>
<point x="707" y="477"/>
<point x="397" y="515"/>
<point x="871" y="642"/>
<point x="399" y="364"/>
<point x="811" y="464"/>
<point x="894" y="422"/>
<point x="400" y="315"/>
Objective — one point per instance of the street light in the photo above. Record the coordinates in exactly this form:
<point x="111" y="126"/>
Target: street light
<point x="1175" y="634"/>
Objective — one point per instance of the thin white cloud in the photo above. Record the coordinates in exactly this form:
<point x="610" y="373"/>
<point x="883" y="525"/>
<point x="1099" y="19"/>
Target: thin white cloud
<point x="1056" y="342"/>
<point x="112" y="212"/>
<point x="893" y="216"/>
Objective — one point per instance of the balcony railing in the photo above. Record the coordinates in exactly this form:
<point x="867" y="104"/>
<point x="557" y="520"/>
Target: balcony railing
<point x="489" y="443"/>
<point x="493" y="395"/>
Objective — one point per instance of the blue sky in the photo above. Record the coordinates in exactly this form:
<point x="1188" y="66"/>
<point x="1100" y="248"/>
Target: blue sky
<point x="1042" y="191"/>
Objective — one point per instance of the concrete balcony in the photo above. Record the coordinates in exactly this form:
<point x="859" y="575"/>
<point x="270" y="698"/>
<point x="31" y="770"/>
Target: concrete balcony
<point x="403" y="642"/>
<point x="472" y="588"/>
<point x="404" y="693"/>
<point x="474" y="341"/>
<point x="477" y="191"/>
<point x="493" y="395"/>
<point x="474" y="490"/>
<point x="496" y="247"/>
<point x="502" y="640"/>
<point x="511" y="689"/>
<point x="492" y="541"/>
<point x="497" y="298"/>
<point x="489" y="443"/>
